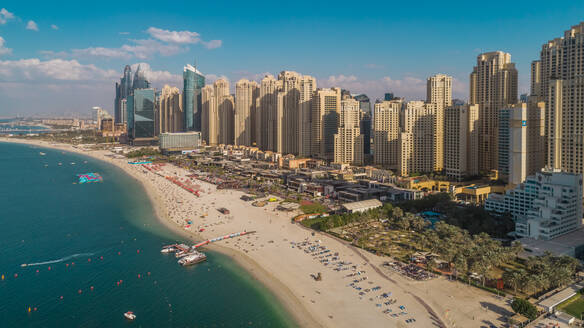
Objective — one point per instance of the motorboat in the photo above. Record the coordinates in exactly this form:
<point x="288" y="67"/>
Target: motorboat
<point x="130" y="315"/>
<point x="191" y="258"/>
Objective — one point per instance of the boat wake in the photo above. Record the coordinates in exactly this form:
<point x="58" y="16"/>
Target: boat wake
<point x="58" y="260"/>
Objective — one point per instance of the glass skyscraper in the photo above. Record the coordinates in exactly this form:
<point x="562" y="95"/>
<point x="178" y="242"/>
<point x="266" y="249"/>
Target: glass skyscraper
<point x="194" y="81"/>
<point x="123" y="91"/>
<point x="365" y="121"/>
<point x="140" y="81"/>
<point x="143" y="102"/>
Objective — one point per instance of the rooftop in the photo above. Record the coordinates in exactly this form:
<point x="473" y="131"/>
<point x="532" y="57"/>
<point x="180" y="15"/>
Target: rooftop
<point x="362" y="204"/>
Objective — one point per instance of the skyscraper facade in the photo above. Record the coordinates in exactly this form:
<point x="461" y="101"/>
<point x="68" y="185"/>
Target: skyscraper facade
<point x="140" y="81"/>
<point x="386" y="130"/>
<point x="306" y="86"/>
<point x="246" y="93"/>
<point x="493" y="86"/>
<point x="143" y="101"/>
<point x="417" y="139"/>
<point x="123" y="91"/>
<point x="460" y="141"/>
<point x="561" y="86"/>
<point x="209" y="116"/>
<point x="348" y="141"/>
<point x="326" y="105"/>
<point x="268" y="103"/>
<point x="169" y="113"/>
<point x="365" y="121"/>
<point x="439" y="90"/>
<point x="194" y="81"/>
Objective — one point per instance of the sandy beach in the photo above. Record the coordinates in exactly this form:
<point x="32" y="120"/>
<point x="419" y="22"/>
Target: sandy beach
<point x="285" y="257"/>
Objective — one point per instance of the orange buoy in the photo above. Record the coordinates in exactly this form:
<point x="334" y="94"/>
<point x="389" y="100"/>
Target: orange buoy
<point x="119" y="253"/>
<point x="88" y="260"/>
<point x="148" y="273"/>
<point x="16" y="275"/>
<point x="67" y="264"/>
<point x="49" y="268"/>
<point x="80" y="291"/>
<point x="91" y="288"/>
<point x="37" y="271"/>
<point x="101" y="257"/>
<point x="138" y="276"/>
<point x="34" y="309"/>
<point x="118" y="283"/>
<point x="138" y="251"/>
<point x="72" y="263"/>
<point x="61" y="297"/>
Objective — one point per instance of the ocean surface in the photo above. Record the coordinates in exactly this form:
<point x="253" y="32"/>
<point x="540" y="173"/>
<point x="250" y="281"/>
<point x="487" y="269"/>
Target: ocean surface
<point x="93" y="253"/>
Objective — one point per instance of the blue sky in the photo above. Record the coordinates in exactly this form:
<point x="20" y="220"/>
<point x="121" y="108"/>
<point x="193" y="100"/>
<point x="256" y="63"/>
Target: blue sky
<point x="64" y="58"/>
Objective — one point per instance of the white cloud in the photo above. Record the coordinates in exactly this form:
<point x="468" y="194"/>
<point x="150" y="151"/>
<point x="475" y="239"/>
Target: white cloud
<point x="243" y="74"/>
<point x="3" y="49"/>
<point x="54" y="27"/>
<point x="158" y="78"/>
<point x="96" y="52"/>
<point x="54" y="70"/>
<point x="409" y="87"/>
<point x="341" y="79"/>
<point x="141" y="49"/>
<point x="211" y="78"/>
<point x="213" y="44"/>
<point x="182" y="37"/>
<point x="31" y="25"/>
<point x="5" y="16"/>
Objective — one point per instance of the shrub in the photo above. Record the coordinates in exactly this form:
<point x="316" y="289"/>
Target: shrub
<point x="523" y="307"/>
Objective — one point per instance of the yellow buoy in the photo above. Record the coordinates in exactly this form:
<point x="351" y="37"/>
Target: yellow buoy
<point x="2" y="277"/>
<point x="29" y="309"/>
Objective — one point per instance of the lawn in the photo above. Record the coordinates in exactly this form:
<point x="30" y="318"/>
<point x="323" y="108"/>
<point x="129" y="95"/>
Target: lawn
<point x="574" y="306"/>
<point x="312" y="208"/>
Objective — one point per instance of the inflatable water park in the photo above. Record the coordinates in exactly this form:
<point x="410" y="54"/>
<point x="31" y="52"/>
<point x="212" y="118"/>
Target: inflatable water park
<point x="140" y="162"/>
<point x="89" y="178"/>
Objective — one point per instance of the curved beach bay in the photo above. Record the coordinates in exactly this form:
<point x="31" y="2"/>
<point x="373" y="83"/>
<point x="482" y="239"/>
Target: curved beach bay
<point x="106" y="236"/>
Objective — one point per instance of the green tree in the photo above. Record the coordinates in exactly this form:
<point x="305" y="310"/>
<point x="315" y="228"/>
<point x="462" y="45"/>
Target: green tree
<point x="524" y="308"/>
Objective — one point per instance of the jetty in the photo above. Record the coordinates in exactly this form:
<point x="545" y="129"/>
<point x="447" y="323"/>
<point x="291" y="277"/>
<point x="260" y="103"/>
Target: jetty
<point x="233" y="235"/>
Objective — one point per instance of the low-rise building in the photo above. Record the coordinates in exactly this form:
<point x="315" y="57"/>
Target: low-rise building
<point x="547" y="205"/>
<point x="362" y="206"/>
<point x="181" y="141"/>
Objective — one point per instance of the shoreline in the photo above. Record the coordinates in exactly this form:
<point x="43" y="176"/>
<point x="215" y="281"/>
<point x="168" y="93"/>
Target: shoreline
<point x="275" y="258"/>
<point x="281" y="292"/>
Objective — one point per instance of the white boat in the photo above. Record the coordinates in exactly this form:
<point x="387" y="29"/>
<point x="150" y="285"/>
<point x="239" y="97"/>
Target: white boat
<point x="130" y="315"/>
<point x="42" y="154"/>
<point x="193" y="257"/>
<point x="168" y="250"/>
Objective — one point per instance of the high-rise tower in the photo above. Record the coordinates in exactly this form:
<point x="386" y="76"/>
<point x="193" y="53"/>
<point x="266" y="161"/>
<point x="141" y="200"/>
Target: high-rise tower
<point x="561" y="86"/>
<point x="493" y="86"/>
<point x="194" y="81"/>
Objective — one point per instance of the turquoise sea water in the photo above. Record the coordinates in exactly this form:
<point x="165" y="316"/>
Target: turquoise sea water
<point x="96" y="235"/>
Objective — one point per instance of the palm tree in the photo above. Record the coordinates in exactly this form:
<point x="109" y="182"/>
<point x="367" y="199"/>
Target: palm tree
<point x="460" y="264"/>
<point x="513" y="279"/>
